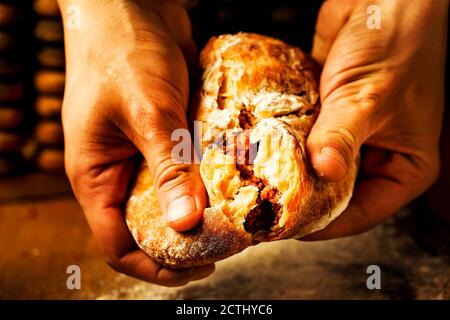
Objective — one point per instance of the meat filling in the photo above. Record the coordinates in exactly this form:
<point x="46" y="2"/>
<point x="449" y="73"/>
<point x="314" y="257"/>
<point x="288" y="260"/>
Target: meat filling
<point x="267" y="211"/>
<point x="246" y="119"/>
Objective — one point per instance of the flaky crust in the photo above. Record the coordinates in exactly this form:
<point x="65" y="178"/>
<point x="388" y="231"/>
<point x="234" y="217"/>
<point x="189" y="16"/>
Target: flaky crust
<point x="257" y="82"/>
<point x="216" y="238"/>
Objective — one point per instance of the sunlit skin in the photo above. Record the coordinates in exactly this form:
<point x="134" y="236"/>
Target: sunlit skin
<point x="384" y="89"/>
<point x="127" y="90"/>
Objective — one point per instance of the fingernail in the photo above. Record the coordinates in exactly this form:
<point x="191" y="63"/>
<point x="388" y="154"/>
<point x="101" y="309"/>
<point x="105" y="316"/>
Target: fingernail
<point x="181" y="207"/>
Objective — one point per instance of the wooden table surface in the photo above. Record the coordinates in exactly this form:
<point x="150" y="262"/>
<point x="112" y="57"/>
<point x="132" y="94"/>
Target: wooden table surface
<point x="41" y="234"/>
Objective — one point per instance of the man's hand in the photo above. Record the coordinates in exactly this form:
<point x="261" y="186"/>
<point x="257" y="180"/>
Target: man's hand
<point x="126" y="91"/>
<point x="384" y="89"/>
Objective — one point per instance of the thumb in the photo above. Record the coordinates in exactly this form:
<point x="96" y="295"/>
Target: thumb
<point x="335" y="139"/>
<point x="178" y="184"/>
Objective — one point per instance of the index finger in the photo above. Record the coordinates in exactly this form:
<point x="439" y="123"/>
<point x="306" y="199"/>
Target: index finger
<point x="124" y="256"/>
<point x="389" y="187"/>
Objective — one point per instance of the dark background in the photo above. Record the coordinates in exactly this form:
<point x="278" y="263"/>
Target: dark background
<point x="42" y="229"/>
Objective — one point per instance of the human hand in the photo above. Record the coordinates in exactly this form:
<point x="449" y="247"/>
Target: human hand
<point x="126" y="91"/>
<point x="384" y="89"/>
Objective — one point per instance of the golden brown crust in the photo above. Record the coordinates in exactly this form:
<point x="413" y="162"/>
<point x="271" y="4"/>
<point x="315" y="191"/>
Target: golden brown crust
<point x="216" y="238"/>
<point x="257" y="82"/>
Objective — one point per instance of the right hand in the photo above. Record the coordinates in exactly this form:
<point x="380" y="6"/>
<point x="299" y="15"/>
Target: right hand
<point x="126" y="91"/>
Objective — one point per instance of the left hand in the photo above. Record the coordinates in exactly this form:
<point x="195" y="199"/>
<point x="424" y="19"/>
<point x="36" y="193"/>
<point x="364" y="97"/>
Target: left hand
<point x="384" y="89"/>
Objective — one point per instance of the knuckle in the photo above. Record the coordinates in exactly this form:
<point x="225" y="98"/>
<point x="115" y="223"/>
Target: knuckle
<point x="368" y="101"/>
<point x="170" y="175"/>
<point x="344" y="139"/>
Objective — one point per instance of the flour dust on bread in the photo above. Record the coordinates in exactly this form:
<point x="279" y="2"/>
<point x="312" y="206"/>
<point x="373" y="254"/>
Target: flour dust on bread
<point x="257" y="102"/>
